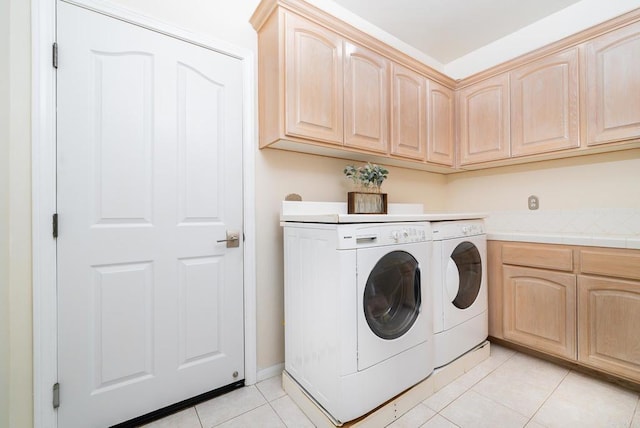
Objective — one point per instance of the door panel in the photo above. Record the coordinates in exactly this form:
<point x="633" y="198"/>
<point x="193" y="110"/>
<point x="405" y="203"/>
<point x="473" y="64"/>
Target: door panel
<point x="544" y="105"/>
<point x="483" y="115"/>
<point x="441" y="124"/>
<point x="539" y="309"/>
<point x="408" y="118"/>
<point x="198" y="131"/>
<point x="366" y="99"/>
<point x="612" y="69"/>
<point x="314" y="81"/>
<point x="608" y="319"/>
<point x="149" y="178"/>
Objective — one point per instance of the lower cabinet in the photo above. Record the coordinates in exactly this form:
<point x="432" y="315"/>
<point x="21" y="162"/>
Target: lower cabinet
<point x="609" y="318"/>
<point x="581" y="304"/>
<point x="539" y="309"/>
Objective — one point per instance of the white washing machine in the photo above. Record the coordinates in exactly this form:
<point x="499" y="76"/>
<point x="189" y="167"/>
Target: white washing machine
<point x="358" y="312"/>
<point x="460" y="288"/>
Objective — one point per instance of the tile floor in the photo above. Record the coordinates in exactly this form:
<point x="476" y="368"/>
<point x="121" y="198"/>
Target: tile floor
<point x="509" y="389"/>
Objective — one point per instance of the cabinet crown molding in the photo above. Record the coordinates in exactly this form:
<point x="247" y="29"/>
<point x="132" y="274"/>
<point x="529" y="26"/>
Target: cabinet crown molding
<point x="312" y="13"/>
<point x="266" y="8"/>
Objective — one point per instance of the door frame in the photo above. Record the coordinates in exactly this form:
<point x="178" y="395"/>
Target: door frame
<point x="43" y="161"/>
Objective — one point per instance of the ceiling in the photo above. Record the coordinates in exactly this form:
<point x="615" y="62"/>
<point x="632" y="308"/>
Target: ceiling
<point x="448" y="29"/>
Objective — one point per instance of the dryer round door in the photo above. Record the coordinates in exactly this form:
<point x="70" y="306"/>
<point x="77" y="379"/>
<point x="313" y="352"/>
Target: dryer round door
<point x="392" y="295"/>
<point x="464" y="275"/>
<point x="465" y="281"/>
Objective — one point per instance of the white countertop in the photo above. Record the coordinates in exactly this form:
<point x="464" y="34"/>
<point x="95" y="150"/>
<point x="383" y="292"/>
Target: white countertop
<point x="336" y="212"/>
<point x="379" y="218"/>
<point x="611" y="241"/>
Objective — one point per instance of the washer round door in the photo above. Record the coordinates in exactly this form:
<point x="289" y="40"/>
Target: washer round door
<point x="394" y="306"/>
<point x="392" y="295"/>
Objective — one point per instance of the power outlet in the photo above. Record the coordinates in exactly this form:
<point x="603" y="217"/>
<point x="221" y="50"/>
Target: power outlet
<point x="534" y="203"/>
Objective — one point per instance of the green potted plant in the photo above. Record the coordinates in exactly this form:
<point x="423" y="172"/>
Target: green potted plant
<point x="367" y="199"/>
<point x="367" y="178"/>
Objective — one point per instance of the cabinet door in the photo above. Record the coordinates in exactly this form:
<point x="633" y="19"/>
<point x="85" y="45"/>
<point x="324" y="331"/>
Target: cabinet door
<point x="613" y="86"/>
<point x="483" y="115"/>
<point x="540" y="309"/>
<point x="544" y="105"/>
<point x="408" y="120"/>
<point x="313" y="81"/>
<point x="440" y="126"/>
<point x="366" y="99"/>
<point x="608" y="320"/>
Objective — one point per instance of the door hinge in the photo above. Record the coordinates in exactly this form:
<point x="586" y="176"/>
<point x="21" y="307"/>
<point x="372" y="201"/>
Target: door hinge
<point x="55" y="55"/>
<point x="54" y="224"/>
<point x="56" y="395"/>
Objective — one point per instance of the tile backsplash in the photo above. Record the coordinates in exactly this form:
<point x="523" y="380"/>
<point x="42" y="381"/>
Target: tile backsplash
<point x="613" y="222"/>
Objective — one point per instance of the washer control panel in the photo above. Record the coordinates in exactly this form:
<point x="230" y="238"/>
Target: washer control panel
<point x="472" y="229"/>
<point x="374" y="235"/>
<point x="408" y="234"/>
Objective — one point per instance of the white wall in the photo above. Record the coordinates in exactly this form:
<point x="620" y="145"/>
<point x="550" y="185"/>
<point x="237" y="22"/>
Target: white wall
<point x="16" y="219"/>
<point x="219" y="19"/>
<point x="609" y="180"/>
<point x="568" y="21"/>
<point x="4" y="213"/>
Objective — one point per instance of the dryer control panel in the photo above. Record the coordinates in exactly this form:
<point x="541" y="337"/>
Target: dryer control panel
<point x="374" y="235"/>
<point x="457" y="229"/>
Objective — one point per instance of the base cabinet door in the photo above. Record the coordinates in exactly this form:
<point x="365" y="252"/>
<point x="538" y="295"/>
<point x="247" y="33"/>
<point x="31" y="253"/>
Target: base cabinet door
<point x="539" y="309"/>
<point x="608" y="322"/>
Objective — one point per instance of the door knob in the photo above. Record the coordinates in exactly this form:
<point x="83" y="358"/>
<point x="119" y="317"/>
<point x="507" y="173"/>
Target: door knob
<point x="233" y="239"/>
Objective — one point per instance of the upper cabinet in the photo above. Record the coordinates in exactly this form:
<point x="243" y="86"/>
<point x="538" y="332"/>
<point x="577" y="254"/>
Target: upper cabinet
<point x="326" y="88"/>
<point x="408" y="122"/>
<point x="483" y="121"/>
<point x="440" y="124"/>
<point x="366" y="99"/>
<point x="544" y="105"/>
<point x="331" y="90"/>
<point x="313" y="81"/>
<point x="613" y="86"/>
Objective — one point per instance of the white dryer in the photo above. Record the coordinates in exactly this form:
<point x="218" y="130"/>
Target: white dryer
<point x="460" y="288"/>
<point x="358" y="312"/>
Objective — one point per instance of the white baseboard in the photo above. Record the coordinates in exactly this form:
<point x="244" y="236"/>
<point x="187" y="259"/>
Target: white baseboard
<point x="270" y="372"/>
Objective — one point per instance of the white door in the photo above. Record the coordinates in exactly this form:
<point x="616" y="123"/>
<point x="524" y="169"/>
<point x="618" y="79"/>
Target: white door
<point x="150" y="305"/>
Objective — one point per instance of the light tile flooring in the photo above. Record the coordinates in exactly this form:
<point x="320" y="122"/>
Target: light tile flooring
<point x="509" y="389"/>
